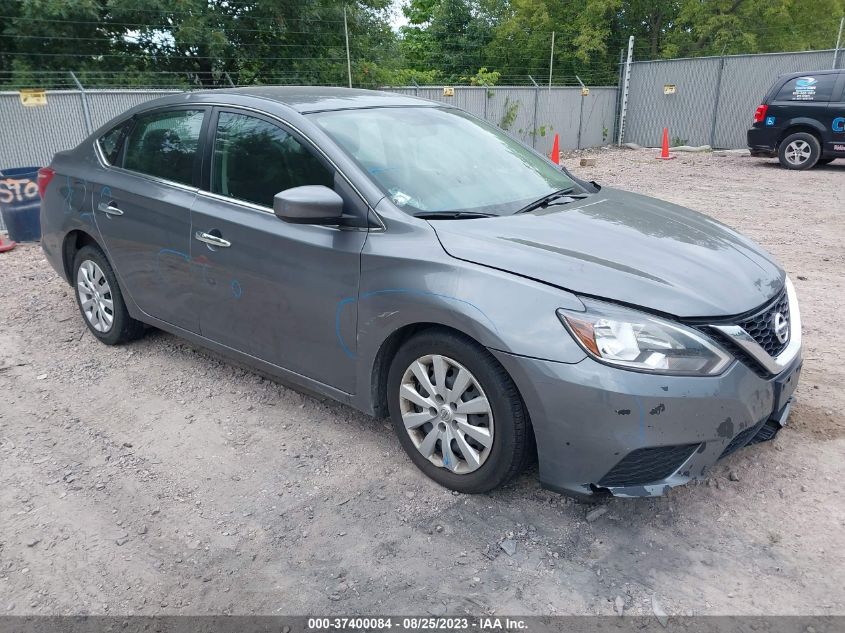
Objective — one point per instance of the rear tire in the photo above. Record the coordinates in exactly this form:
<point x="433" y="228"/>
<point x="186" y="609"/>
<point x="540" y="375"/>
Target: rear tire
<point x="100" y="299"/>
<point x="799" y="151"/>
<point x="482" y="417"/>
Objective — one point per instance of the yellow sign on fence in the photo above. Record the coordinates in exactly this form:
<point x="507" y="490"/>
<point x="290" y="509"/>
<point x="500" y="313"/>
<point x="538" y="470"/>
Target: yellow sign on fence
<point x="32" y="98"/>
<point x="448" y="91"/>
<point x="669" y="89"/>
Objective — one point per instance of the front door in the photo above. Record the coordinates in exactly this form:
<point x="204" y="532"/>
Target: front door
<point x="142" y="212"/>
<point x="263" y="286"/>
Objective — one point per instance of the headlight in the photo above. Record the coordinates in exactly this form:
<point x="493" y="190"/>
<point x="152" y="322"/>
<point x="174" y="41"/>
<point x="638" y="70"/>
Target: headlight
<point x="636" y="340"/>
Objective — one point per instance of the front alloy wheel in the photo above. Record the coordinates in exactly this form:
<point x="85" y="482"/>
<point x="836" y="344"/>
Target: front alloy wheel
<point x="95" y="296"/>
<point x="456" y="411"/>
<point x="446" y="413"/>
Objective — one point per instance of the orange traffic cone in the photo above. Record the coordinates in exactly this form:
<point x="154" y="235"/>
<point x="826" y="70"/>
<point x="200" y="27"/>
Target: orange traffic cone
<point x="555" y="155"/>
<point x="7" y="246"/>
<point x="664" y="151"/>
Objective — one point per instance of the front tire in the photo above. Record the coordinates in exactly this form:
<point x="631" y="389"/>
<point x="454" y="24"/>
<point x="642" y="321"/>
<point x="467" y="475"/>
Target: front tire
<point x="799" y="151"/>
<point x="100" y="300"/>
<point x="457" y="412"/>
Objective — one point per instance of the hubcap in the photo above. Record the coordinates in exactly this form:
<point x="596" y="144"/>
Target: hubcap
<point x="798" y="152"/>
<point x="446" y="413"/>
<point x="95" y="296"/>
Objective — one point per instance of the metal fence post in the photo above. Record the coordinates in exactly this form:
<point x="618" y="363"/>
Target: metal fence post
<point x="716" y="101"/>
<point x="580" y="113"/>
<point x="85" y="111"/>
<point x="838" y="41"/>
<point x="618" y="109"/>
<point x="625" y="84"/>
<point x="534" y="125"/>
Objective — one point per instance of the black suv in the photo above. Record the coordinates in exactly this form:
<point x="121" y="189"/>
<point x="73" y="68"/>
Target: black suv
<point x="801" y="120"/>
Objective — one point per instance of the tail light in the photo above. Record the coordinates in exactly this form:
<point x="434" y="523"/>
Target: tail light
<point x="760" y="113"/>
<point x="45" y="175"/>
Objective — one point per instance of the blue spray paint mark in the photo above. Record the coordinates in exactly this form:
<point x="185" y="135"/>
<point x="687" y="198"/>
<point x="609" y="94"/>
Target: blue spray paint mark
<point x="105" y="196"/>
<point x="205" y="265"/>
<point x="340" y="306"/>
<point x="343" y="302"/>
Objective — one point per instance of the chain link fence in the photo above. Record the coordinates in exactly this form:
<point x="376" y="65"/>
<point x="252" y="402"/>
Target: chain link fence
<point x="31" y="135"/>
<point x="703" y="101"/>
<point x="534" y="115"/>
<point x="707" y="100"/>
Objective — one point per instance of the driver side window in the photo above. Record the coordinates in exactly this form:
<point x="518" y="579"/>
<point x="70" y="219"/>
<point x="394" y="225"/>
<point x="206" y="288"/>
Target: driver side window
<point x="254" y="160"/>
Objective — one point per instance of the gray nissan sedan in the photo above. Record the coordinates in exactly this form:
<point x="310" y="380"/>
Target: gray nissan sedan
<point x="408" y="259"/>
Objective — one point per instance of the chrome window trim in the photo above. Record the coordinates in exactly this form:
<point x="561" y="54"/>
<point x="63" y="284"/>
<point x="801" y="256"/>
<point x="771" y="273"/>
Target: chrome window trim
<point x="773" y="365"/>
<point x="98" y="150"/>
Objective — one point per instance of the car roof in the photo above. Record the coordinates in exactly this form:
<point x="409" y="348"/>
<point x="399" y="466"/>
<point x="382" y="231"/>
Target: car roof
<point x="306" y="99"/>
<point x="806" y="73"/>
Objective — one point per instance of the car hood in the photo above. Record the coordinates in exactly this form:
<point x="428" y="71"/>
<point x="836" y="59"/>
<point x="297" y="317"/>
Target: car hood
<point x="627" y="248"/>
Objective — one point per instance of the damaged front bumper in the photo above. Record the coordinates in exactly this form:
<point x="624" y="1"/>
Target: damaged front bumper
<point x="602" y="430"/>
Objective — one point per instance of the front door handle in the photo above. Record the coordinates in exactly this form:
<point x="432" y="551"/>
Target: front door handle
<point x="109" y="209"/>
<point x="212" y="240"/>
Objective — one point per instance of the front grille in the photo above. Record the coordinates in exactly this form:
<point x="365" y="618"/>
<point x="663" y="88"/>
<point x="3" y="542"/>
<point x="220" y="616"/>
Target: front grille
<point x="741" y="439"/>
<point x="647" y="465"/>
<point x="766" y="432"/>
<point x="761" y="326"/>
<point x="738" y="353"/>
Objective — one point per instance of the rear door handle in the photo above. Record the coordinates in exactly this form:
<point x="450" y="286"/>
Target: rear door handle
<point x="212" y="240"/>
<point x="109" y="209"/>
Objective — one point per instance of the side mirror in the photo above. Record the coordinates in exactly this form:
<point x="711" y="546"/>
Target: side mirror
<point x="311" y="204"/>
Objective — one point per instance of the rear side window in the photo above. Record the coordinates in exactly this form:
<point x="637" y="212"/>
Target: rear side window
<point x="164" y="144"/>
<point x="254" y="160"/>
<point x="112" y="141"/>
<point x="808" y="88"/>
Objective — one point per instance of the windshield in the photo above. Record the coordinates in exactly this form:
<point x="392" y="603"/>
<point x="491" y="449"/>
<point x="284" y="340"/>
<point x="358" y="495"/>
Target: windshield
<point x="442" y="160"/>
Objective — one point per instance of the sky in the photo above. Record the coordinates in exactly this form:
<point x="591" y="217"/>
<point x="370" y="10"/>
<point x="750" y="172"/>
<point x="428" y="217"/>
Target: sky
<point x="398" y="18"/>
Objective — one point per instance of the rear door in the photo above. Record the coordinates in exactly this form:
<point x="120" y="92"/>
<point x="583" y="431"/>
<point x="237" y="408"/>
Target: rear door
<point x="805" y="97"/>
<point x="272" y="289"/>
<point x="142" y="212"/>
<point x="835" y="145"/>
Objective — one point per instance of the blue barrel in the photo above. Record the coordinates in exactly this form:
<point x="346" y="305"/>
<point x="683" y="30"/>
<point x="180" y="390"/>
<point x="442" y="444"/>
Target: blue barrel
<point x="20" y="203"/>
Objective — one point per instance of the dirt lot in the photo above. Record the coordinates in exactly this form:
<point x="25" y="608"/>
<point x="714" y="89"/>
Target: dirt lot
<point x="156" y="478"/>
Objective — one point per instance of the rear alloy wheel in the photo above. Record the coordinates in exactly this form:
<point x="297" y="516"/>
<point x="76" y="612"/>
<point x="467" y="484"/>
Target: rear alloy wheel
<point x="95" y="296"/>
<point x="799" y="151"/>
<point x="100" y="300"/>
<point x="457" y="413"/>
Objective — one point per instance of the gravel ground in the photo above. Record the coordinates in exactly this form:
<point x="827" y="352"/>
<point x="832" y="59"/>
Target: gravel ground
<point x="156" y="478"/>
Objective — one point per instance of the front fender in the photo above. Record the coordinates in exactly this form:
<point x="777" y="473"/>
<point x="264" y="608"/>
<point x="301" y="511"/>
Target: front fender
<point x="407" y="279"/>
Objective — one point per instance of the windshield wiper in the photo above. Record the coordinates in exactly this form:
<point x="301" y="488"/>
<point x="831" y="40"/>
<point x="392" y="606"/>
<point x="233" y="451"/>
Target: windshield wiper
<point x="548" y="199"/>
<point x="452" y="215"/>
